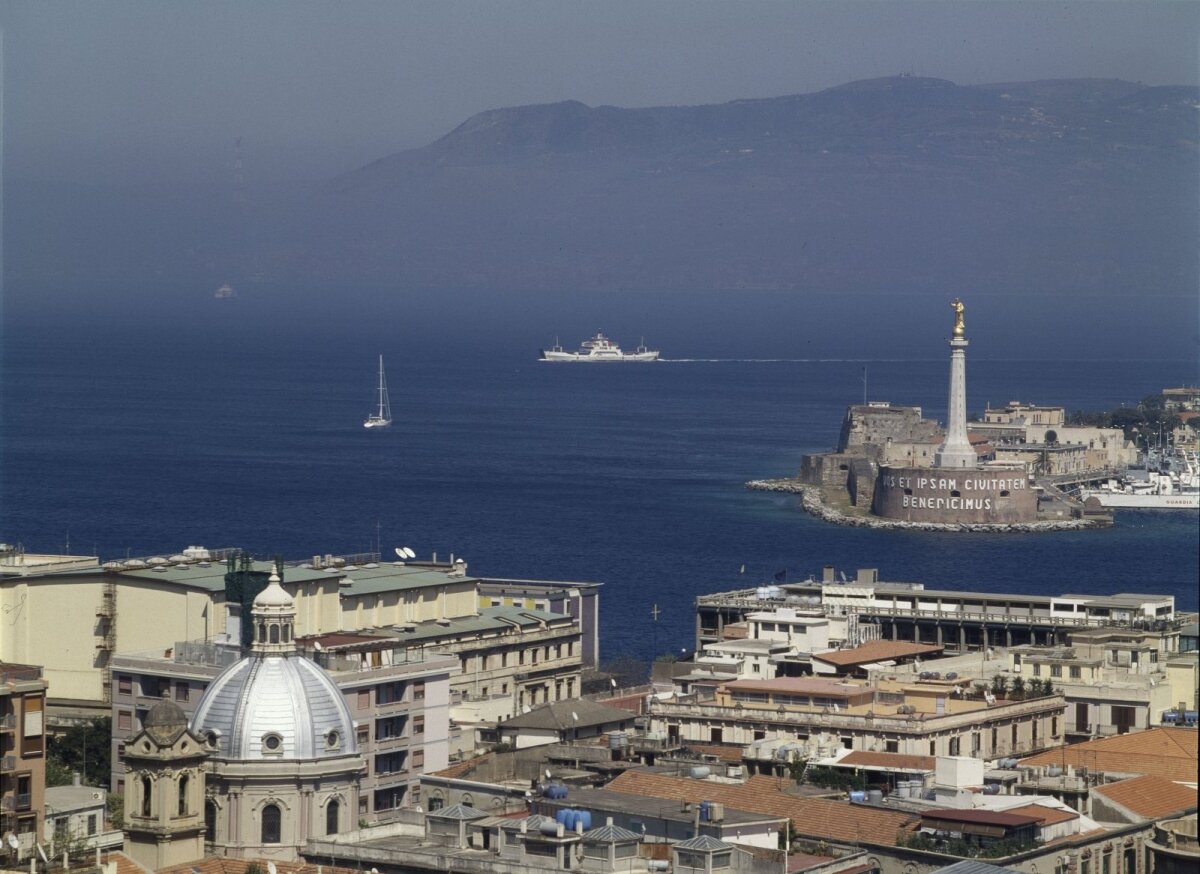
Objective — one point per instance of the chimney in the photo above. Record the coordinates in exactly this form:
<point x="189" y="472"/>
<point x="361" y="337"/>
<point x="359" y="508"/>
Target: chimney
<point x="827" y="574"/>
<point x="75" y="780"/>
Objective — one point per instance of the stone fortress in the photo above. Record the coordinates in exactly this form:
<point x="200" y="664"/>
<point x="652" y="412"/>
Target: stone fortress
<point x="893" y="468"/>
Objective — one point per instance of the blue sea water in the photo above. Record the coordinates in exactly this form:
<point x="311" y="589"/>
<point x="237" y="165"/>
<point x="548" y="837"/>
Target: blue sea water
<point x="234" y="431"/>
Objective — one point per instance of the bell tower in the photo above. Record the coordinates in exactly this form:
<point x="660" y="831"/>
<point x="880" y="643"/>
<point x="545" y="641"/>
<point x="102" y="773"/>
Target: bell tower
<point x="164" y="790"/>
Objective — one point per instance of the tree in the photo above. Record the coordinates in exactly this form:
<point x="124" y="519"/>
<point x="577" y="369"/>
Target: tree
<point x="1018" y="688"/>
<point x="999" y="685"/>
<point x="85" y="748"/>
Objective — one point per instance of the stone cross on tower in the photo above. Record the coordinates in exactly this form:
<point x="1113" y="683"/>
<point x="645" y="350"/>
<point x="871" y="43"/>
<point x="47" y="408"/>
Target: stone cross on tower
<point x="956" y="452"/>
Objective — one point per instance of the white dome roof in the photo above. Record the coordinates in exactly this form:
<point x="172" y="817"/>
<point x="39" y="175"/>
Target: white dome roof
<point x="274" y="706"/>
<point x="273" y="596"/>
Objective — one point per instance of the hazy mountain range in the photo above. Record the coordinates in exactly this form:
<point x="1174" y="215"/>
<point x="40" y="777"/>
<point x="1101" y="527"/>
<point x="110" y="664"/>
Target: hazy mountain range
<point x="1073" y="187"/>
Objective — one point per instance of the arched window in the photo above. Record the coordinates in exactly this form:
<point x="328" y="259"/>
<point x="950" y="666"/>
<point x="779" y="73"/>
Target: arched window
<point x="274" y="633"/>
<point x="331" y="817"/>
<point x="183" y="790"/>
<point x="146" y="789"/>
<point x="262" y="632"/>
<point x="210" y="821"/>
<point x="270" y="824"/>
<point x="287" y="632"/>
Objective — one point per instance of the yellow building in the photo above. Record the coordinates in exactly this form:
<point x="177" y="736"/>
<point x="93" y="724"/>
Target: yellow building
<point x="71" y="614"/>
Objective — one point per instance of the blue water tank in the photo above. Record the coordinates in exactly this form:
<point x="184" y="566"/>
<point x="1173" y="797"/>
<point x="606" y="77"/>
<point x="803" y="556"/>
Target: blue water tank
<point x="705" y="810"/>
<point x="563" y="817"/>
<point x="858" y="795"/>
<point x="585" y="818"/>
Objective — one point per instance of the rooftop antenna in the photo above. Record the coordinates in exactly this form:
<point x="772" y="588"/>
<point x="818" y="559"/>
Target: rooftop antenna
<point x="864" y="381"/>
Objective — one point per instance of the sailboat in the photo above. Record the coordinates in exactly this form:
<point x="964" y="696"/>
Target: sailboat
<point x="382" y="417"/>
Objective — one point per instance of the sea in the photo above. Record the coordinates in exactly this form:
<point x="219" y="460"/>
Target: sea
<point x="239" y="424"/>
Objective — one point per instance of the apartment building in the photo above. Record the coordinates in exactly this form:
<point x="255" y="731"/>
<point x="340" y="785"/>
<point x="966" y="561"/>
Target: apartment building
<point x="1114" y="681"/>
<point x="201" y="594"/>
<point x="809" y="717"/>
<point x="22" y="753"/>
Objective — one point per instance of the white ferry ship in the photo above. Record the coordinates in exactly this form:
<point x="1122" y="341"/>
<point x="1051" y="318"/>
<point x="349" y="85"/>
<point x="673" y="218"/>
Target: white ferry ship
<point x="599" y="348"/>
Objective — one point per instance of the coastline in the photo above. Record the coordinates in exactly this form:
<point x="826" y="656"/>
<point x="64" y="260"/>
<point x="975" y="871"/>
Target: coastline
<point x="813" y="501"/>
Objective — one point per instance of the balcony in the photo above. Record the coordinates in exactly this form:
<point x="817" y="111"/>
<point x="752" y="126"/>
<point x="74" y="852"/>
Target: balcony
<point x="17" y="802"/>
<point x="8" y="763"/>
<point x="8" y="722"/>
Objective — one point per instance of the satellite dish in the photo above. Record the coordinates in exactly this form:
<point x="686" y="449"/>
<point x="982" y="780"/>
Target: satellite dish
<point x="574" y="715"/>
<point x="405" y="552"/>
<point x="271" y="869"/>
<point x="42" y="853"/>
<point x="613" y="680"/>
<point x="317" y="645"/>
<point x="13" y="842"/>
<point x="547" y="773"/>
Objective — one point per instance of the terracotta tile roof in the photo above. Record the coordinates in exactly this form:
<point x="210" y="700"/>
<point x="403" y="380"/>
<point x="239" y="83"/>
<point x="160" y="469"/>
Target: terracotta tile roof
<point x="811" y="817"/>
<point x="876" y="651"/>
<point x="982" y="817"/>
<point x="800" y="861"/>
<point x="1149" y="796"/>
<point x="226" y="865"/>
<point x="125" y="865"/>
<point x="1047" y="815"/>
<point x="459" y="769"/>
<point x="891" y="761"/>
<point x="1170" y="753"/>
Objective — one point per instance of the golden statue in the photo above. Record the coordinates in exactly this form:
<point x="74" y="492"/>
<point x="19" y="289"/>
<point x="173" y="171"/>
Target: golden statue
<point x="957" y="306"/>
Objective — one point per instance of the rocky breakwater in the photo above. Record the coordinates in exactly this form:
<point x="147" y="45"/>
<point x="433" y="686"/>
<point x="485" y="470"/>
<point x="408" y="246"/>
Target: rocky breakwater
<point x="813" y="500"/>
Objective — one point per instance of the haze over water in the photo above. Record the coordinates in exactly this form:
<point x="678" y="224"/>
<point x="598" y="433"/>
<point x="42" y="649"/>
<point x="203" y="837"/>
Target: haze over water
<point x="152" y="152"/>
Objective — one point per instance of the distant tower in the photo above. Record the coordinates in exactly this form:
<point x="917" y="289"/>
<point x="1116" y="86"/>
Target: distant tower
<point x="956" y="451"/>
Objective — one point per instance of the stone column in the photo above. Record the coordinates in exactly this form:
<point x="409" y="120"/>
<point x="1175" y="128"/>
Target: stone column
<point x="956" y="452"/>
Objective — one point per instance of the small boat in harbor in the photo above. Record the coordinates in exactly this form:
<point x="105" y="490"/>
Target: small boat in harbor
<point x="382" y="417"/>
<point x="599" y="348"/>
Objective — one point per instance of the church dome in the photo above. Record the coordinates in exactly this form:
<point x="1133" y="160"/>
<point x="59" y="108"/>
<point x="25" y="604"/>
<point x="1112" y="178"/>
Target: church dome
<point x="165" y="722"/>
<point x="275" y="707"/>
<point x="274" y="704"/>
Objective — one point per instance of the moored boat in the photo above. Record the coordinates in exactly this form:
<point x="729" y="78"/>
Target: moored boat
<point x="1160" y="490"/>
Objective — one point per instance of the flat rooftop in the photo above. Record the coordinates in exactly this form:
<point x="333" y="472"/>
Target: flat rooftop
<point x="609" y="800"/>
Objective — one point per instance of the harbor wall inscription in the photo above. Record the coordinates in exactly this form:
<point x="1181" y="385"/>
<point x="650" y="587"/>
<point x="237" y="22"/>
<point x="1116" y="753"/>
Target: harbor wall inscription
<point x="954" y="496"/>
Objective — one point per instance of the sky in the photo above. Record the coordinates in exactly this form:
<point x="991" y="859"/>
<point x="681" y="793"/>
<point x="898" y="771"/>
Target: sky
<point x="123" y="88"/>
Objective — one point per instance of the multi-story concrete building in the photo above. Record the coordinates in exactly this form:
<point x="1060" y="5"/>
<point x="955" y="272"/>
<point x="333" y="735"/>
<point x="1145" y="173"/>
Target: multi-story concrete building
<point x="1114" y="680"/>
<point x="22" y="753"/>
<point x="958" y="620"/>
<point x="204" y="594"/>
<point x="399" y="698"/>
<point x="808" y="717"/>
